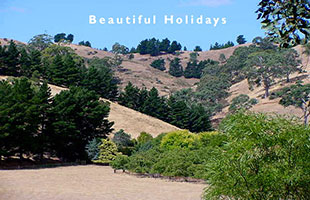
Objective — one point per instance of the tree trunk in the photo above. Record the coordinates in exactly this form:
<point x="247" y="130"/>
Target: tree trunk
<point x="266" y="92"/>
<point x="287" y="77"/>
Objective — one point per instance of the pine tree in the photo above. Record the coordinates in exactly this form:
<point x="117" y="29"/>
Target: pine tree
<point x="176" y="68"/>
<point x="11" y="60"/>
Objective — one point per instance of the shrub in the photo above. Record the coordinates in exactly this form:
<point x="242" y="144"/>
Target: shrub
<point x="144" y="137"/>
<point x="107" y="152"/>
<point x="266" y="157"/>
<point x="92" y="149"/>
<point x="180" y="139"/>
<point x="120" y="162"/>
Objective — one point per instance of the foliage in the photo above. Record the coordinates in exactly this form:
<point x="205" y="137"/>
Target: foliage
<point x="87" y="43"/>
<point x="92" y="149"/>
<point x="61" y="37"/>
<point x="122" y="139"/>
<point x="120" y="49"/>
<point x="180" y="139"/>
<point x="264" y="43"/>
<point x="176" y="68"/>
<point x="154" y="46"/>
<point x="217" y="46"/>
<point x="296" y="95"/>
<point x="242" y="101"/>
<point x="119" y="162"/>
<point x="197" y="48"/>
<point x="241" y="39"/>
<point x="159" y="64"/>
<point x="264" y="68"/>
<point x="107" y="152"/>
<point x="40" y="42"/>
<point x="144" y="138"/>
<point x="77" y="116"/>
<point x="265" y="157"/>
<point x="285" y="21"/>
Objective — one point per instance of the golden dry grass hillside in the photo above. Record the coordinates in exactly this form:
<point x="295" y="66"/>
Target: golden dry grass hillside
<point x="140" y="73"/>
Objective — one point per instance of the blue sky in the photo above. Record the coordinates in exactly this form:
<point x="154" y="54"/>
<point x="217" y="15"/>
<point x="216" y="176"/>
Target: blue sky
<point x="22" y="19"/>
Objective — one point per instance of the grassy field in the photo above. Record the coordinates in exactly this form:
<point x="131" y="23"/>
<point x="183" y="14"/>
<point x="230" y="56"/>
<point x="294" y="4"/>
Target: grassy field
<point x="90" y="182"/>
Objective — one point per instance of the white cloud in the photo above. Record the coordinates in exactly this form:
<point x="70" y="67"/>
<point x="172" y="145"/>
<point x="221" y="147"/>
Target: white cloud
<point x="209" y="3"/>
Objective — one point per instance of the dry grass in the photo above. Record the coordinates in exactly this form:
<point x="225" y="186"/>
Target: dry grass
<point x="90" y="183"/>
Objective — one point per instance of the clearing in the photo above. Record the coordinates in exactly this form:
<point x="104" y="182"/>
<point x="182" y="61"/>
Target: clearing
<point x="90" y="182"/>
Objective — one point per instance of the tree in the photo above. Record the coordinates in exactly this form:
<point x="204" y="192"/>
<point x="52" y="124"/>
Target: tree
<point x="120" y="49"/>
<point x="122" y="139"/>
<point x="241" y="39"/>
<point x="193" y="57"/>
<point x="176" y="68"/>
<point x="144" y="138"/>
<point x="175" y="46"/>
<point x="290" y="62"/>
<point x="11" y="60"/>
<point x="297" y="95"/>
<point x="59" y="37"/>
<point x="222" y="58"/>
<point x="164" y="45"/>
<point x="179" y="114"/>
<point x="307" y="52"/>
<point x="40" y="42"/>
<point x="264" y="68"/>
<point x="101" y="80"/>
<point x="19" y="118"/>
<point x="130" y="97"/>
<point x="154" y="105"/>
<point x="285" y="21"/>
<point x="87" y="43"/>
<point x="92" y="149"/>
<point x="107" y="152"/>
<point x="264" y="43"/>
<point x="264" y="157"/>
<point x="197" y="48"/>
<point x="70" y="38"/>
<point x="159" y="64"/>
<point x="242" y="101"/>
<point x="77" y="116"/>
<point x="199" y="119"/>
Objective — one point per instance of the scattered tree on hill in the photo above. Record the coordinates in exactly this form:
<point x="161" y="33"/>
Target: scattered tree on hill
<point x="297" y="95"/>
<point x="264" y="43"/>
<point x="120" y="49"/>
<point x="40" y="42"/>
<point x="197" y="48"/>
<point x="222" y="58"/>
<point x="241" y="39"/>
<point x="193" y="57"/>
<point x="87" y="43"/>
<point x="159" y="64"/>
<point x="70" y="38"/>
<point x="175" y="46"/>
<point x="264" y="68"/>
<point x="307" y="52"/>
<point x="290" y="62"/>
<point x="217" y="46"/>
<point x="176" y="68"/>
<point x="242" y="101"/>
<point x="285" y="21"/>
<point x="164" y="45"/>
<point x="59" y="37"/>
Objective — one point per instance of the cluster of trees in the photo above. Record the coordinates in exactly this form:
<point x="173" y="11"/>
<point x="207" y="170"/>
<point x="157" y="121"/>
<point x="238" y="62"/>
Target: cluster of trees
<point x="60" y="66"/>
<point x="61" y="37"/>
<point x="194" y="68"/>
<point x="120" y="49"/>
<point x="83" y="43"/>
<point x="270" y="161"/>
<point x="154" y="47"/>
<point x="217" y="46"/>
<point x="33" y="123"/>
<point x="176" y="112"/>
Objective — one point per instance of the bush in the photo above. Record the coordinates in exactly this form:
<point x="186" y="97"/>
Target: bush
<point x="107" y="152"/>
<point x="144" y="138"/>
<point x="119" y="162"/>
<point x="266" y="157"/>
<point x="180" y="139"/>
